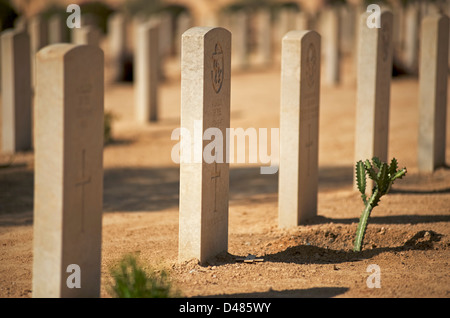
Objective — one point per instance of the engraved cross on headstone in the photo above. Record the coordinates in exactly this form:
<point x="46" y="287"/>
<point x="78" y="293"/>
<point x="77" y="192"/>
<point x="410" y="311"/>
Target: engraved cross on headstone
<point x="308" y="145"/>
<point x="214" y="176"/>
<point x="82" y="184"/>
<point x="202" y="233"/>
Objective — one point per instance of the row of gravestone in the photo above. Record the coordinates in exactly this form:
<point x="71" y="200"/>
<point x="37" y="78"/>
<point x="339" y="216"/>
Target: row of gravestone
<point x="69" y="93"/>
<point x="17" y="74"/>
<point x="250" y="29"/>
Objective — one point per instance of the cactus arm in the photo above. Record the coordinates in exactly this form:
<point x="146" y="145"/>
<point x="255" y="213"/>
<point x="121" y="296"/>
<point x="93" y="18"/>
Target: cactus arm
<point x="399" y="174"/>
<point x="361" y="230"/>
<point x="377" y="162"/>
<point x="383" y="181"/>
<point x="396" y="175"/>
<point x="361" y="180"/>
<point x="370" y="171"/>
<point x="393" y="167"/>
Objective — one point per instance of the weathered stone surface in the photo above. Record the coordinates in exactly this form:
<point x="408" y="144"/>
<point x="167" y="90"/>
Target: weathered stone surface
<point x="299" y="127"/>
<point x="205" y="102"/>
<point x="147" y="70"/>
<point x="15" y="115"/>
<point x="433" y="92"/>
<point x="68" y="170"/>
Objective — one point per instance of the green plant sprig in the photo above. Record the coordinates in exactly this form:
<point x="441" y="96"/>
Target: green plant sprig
<point x="383" y="176"/>
<point x="131" y="280"/>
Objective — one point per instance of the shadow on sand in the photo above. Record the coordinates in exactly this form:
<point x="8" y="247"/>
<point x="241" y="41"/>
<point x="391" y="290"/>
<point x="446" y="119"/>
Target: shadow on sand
<point x="315" y="292"/>
<point x="156" y="189"/>
<point x="310" y="254"/>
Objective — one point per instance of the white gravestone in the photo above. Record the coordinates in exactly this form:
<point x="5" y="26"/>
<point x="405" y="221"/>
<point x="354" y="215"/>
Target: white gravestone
<point x="68" y="195"/>
<point x="205" y="101"/>
<point x="299" y="127"/>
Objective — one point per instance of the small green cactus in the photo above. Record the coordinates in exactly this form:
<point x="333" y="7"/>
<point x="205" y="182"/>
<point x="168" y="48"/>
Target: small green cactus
<point x="383" y="176"/>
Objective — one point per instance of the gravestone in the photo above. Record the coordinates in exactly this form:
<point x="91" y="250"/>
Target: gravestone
<point x="299" y="127"/>
<point x="331" y="45"/>
<point x="58" y="32"/>
<point x="15" y="116"/>
<point x="0" y="83"/>
<point x="165" y="34"/>
<point x="184" y="22"/>
<point x="412" y="26"/>
<point x="433" y="92"/>
<point x="21" y="23"/>
<point x="264" y="36"/>
<point x="38" y="31"/>
<point x="86" y="35"/>
<point x="68" y="170"/>
<point x="240" y="39"/>
<point x="146" y="70"/>
<point x="398" y="13"/>
<point x="223" y="20"/>
<point x="89" y="19"/>
<point x="117" y="44"/>
<point x="447" y="12"/>
<point x="286" y="22"/>
<point x="375" y="50"/>
<point x="347" y="14"/>
<point x="210" y="17"/>
<point x="431" y="7"/>
<point x="164" y="22"/>
<point x="205" y="102"/>
<point x="302" y="21"/>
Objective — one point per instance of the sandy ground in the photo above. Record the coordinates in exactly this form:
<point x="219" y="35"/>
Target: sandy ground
<point x="408" y="236"/>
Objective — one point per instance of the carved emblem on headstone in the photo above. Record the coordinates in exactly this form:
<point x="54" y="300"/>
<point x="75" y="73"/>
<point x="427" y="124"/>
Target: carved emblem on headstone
<point x="217" y="68"/>
<point x="311" y="64"/>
